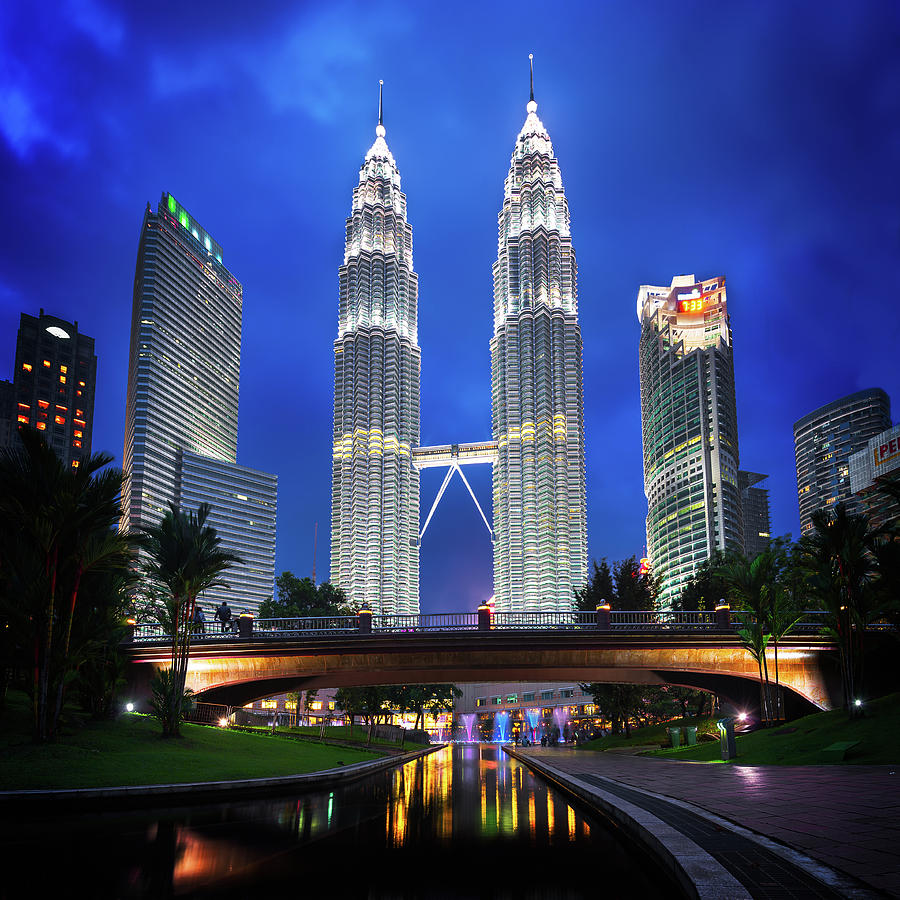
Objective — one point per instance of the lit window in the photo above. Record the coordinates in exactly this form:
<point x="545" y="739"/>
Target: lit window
<point x="269" y="704"/>
<point x="316" y="704"/>
<point x="77" y="434"/>
<point x="24" y="420"/>
<point x="46" y="363"/>
<point x="331" y="704"/>
<point x="78" y="393"/>
<point x="81" y="384"/>
<point x="76" y="444"/>
<point x="41" y="426"/>
<point x="60" y="420"/>
<point x="81" y="422"/>
<point x="79" y="413"/>
<point x="62" y="379"/>
<point x="75" y="464"/>
<point x="26" y="367"/>
<point x="64" y="369"/>
<point x="62" y="408"/>
<point x="24" y="406"/>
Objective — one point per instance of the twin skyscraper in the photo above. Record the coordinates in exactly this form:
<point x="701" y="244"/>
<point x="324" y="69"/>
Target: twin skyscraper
<point x="539" y="529"/>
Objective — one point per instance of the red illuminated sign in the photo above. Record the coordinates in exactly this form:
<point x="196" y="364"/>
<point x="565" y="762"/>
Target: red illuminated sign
<point x="689" y="306"/>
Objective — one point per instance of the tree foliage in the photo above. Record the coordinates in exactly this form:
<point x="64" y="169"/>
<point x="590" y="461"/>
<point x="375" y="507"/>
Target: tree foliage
<point x="302" y="598"/>
<point x="625" y="587"/>
<point x="57" y="539"/>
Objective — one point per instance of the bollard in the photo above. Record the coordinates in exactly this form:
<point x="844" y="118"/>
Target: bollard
<point x="726" y="737"/>
<point x="723" y="616"/>
<point x="364" y="621"/>
<point x="484" y="617"/>
<point x="602" y="622"/>
<point x="245" y="625"/>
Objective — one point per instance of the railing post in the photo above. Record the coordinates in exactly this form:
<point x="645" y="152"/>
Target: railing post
<point x="364" y="621"/>
<point x="129" y="630"/>
<point x="245" y="625"/>
<point x="484" y="617"/>
<point x="723" y="616"/>
<point x="603" y="616"/>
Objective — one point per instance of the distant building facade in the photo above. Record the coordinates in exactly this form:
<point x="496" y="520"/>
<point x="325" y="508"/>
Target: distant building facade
<point x="689" y="428"/>
<point x="755" y="509"/>
<point x="875" y="477"/>
<point x="181" y="421"/>
<point x="53" y="386"/>
<point x="824" y="441"/>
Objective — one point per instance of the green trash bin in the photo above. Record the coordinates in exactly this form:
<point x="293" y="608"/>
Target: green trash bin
<point x="690" y="734"/>
<point x="674" y="736"/>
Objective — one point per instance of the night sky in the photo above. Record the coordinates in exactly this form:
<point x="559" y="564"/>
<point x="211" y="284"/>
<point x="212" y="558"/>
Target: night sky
<point x="757" y="140"/>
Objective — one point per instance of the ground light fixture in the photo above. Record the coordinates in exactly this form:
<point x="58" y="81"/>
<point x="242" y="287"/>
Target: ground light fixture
<point x="223" y="722"/>
<point x="129" y="707"/>
<point x="857" y="702"/>
<point x="742" y="717"/>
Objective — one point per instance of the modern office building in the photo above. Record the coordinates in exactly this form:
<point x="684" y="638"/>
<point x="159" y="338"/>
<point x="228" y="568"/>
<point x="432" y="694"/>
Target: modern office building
<point x="8" y="413"/>
<point x="755" y="508"/>
<point x="377" y="360"/>
<point x="53" y="386"/>
<point x="537" y="397"/>
<point x="824" y="441"/>
<point x="689" y="427"/>
<point x="875" y="478"/>
<point x="181" y="423"/>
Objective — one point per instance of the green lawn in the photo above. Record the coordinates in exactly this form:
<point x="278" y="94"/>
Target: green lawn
<point x="652" y="734"/>
<point x="800" y="742"/>
<point x="130" y="750"/>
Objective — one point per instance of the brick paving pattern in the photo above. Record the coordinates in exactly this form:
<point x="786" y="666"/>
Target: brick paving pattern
<point x="847" y="817"/>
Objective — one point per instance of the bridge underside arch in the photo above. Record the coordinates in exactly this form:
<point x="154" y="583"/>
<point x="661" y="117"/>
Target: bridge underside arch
<point x="243" y="672"/>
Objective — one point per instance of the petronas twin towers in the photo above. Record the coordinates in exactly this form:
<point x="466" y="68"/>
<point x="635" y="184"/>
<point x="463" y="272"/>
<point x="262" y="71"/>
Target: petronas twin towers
<point x="537" y="452"/>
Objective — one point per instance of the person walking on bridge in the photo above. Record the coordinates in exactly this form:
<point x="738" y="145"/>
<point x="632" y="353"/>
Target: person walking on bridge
<point x="223" y="615"/>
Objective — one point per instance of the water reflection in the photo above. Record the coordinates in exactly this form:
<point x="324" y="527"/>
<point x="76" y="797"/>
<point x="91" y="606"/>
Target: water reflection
<point x="463" y="822"/>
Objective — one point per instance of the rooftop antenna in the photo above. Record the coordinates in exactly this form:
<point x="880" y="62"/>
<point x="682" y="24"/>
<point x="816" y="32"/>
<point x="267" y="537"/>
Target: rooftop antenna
<point x="531" y="66"/>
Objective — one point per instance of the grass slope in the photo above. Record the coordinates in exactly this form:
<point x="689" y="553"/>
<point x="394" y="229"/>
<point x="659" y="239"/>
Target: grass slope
<point x="652" y="734"/>
<point x="130" y="750"/>
<point x="800" y="742"/>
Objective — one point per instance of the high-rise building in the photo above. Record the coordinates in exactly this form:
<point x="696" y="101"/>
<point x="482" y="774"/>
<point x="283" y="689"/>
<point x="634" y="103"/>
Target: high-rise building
<point x="181" y="422"/>
<point x="8" y="413"/>
<point x="824" y="441"/>
<point x="875" y="478"/>
<point x="755" y="508"/>
<point x="689" y="427"/>
<point x="53" y="385"/>
<point x="537" y="395"/>
<point x="377" y="361"/>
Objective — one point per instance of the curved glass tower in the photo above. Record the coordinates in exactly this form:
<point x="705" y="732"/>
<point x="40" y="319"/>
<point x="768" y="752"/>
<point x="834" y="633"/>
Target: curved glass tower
<point x="540" y="549"/>
<point x="375" y="488"/>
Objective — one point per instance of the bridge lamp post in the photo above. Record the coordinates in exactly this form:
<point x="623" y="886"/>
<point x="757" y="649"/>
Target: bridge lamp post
<point x="603" y="615"/>
<point x="484" y="617"/>
<point x="364" y="621"/>
<point x="723" y="615"/>
<point x="245" y="625"/>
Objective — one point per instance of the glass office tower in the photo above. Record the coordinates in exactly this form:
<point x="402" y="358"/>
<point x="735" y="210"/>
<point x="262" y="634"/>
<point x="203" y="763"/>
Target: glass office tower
<point x="689" y="427"/>
<point x="540" y="520"/>
<point x="181" y="421"/>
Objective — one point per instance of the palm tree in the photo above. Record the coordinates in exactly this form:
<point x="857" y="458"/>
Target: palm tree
<point x="185" y="557"/>
<point x="752" y="585"/>
<point x="56" y="526"/>
<point x="841" y="556"/>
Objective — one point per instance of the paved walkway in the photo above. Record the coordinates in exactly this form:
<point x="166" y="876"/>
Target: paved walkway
<point x="848" y="817"/>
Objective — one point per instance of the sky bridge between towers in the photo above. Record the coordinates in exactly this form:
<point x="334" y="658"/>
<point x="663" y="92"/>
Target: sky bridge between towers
<point x="454" y="456"/>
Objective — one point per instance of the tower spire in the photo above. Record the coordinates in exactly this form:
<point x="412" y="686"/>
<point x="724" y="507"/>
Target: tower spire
<point x="532" y="105"/>
<point x="380" y="128"/>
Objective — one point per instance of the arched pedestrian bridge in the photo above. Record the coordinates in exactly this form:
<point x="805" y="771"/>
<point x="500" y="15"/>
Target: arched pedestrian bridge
<point x="697" y="649"/>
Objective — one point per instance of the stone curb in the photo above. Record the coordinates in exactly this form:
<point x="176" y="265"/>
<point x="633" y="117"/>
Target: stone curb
<point x="699" y="874"/>
<point x="183" y="793"/>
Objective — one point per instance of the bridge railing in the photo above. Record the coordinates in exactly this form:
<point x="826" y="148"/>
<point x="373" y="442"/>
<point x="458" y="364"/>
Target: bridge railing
<point x="299" y="627"/>
<point x="420" y="623"/>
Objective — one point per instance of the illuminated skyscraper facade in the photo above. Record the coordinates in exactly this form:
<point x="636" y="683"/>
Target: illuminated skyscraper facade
<point x="824" y="441"/>
<point x="375" y="488"/>
<point x="181" y="419"/>
<point x="689" y="427"/>
<point x="540" y="527"/>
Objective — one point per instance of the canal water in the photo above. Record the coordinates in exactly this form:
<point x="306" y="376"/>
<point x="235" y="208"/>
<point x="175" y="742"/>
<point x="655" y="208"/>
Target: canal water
<point x="463" y="822"/>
